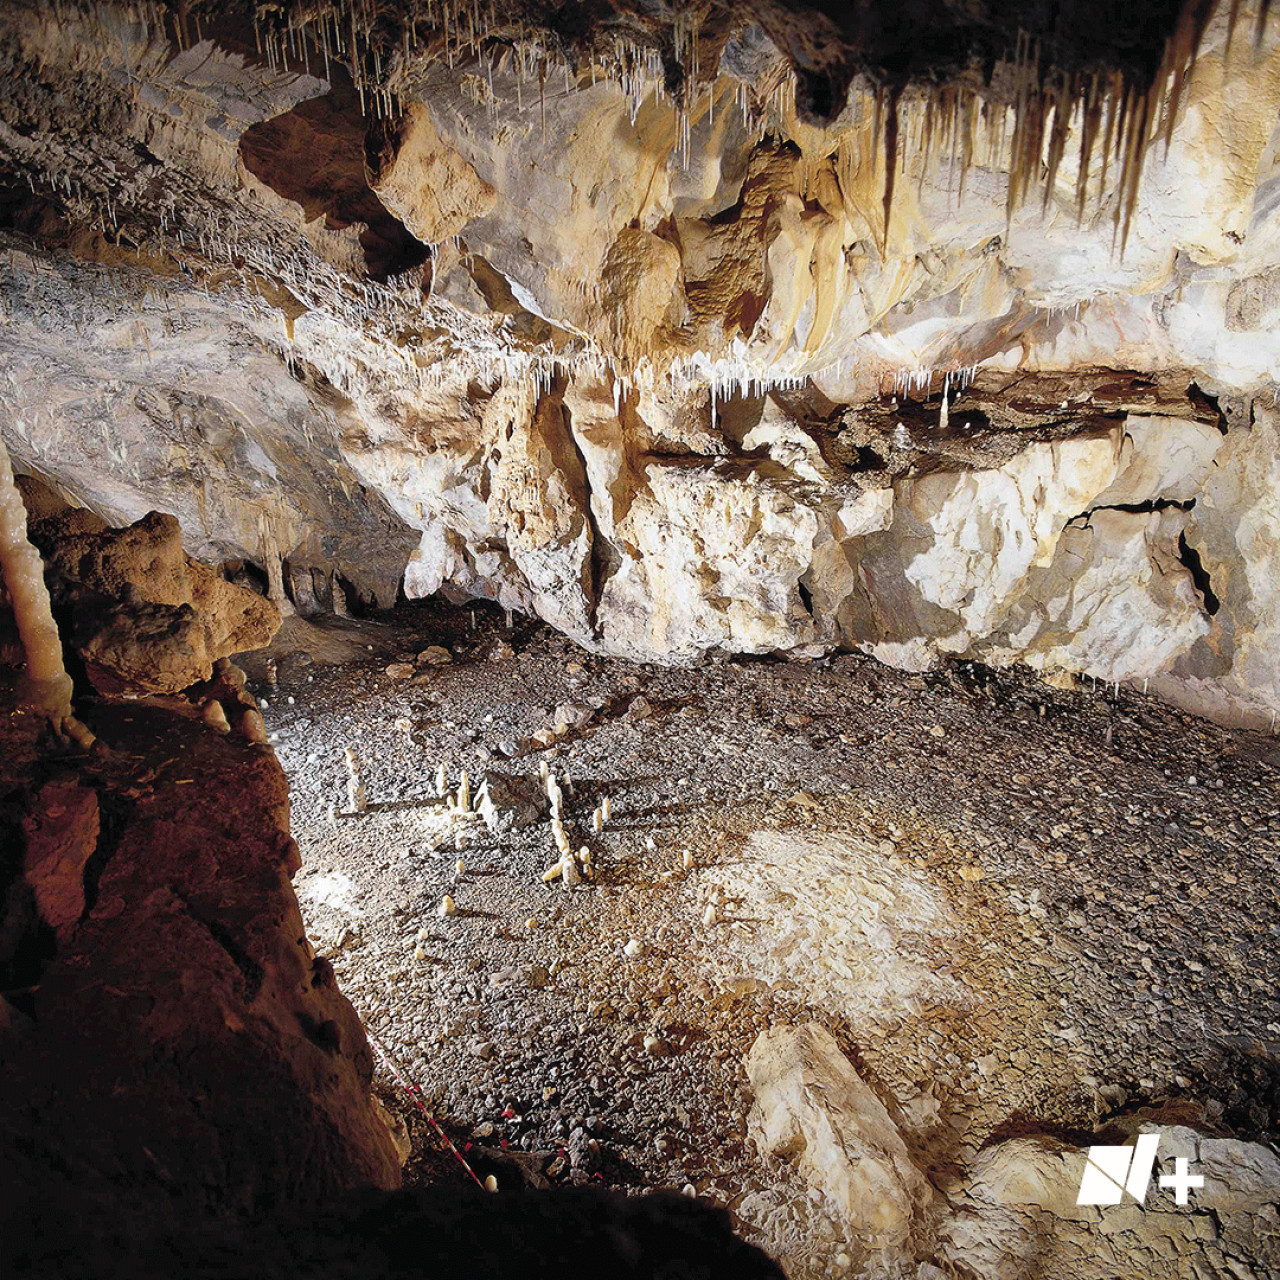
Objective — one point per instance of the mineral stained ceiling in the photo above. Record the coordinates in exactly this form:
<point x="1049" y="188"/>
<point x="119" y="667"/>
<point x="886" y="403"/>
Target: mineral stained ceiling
<point x="918" y="328"/>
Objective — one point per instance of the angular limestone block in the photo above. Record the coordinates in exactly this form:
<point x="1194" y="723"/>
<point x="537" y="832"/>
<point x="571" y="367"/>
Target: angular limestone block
<point x="811" y="1106"/>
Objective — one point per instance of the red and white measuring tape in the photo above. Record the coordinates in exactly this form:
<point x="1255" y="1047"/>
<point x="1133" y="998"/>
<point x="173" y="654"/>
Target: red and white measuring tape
<point x="416" y="1095"/>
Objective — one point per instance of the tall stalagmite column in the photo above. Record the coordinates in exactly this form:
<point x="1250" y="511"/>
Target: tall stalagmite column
<point x="47" y="687"/>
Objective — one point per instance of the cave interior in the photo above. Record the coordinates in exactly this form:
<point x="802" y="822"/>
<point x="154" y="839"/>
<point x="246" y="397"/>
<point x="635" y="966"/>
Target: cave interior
<point x="640" y="634"/>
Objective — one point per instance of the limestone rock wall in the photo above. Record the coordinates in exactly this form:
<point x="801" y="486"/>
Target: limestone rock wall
<point x="171" y="1046"/>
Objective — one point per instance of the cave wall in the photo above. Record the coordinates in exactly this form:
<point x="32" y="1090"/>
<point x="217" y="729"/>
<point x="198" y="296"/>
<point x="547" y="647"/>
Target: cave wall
<point x="666" y="369"/>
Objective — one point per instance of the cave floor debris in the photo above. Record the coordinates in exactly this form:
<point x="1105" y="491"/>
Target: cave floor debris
<point x="1018" y="908"/>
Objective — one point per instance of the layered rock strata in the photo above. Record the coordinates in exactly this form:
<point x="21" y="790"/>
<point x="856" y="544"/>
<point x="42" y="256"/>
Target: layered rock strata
<point x="652" y="347"/>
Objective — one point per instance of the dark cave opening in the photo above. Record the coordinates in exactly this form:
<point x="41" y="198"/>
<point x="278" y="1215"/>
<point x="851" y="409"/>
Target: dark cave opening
<point x="315" y="155"/>
<point x="1194" y="564"/>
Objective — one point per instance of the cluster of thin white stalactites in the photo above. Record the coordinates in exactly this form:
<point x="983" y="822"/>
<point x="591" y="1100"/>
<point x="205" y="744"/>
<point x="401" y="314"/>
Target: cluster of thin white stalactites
<point x="909" y="381"/>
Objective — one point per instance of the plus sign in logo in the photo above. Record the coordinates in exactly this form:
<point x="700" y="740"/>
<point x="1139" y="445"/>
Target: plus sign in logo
<point x="1110" y="1172"/>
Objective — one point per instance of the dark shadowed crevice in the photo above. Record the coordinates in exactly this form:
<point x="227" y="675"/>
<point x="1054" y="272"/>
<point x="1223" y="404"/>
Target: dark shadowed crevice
<point x="114" y="812"/>
<point x="250" y="969"/>
<point x="314" y="155"/>
<point x="1152" y="504"/>
<point x="1207" y="407"/>
<point x="27" y="944"/>
<point x="1190" y="558"/>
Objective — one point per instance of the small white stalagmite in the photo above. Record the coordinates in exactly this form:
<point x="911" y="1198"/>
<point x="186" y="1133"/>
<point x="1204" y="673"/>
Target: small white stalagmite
<point x="357" y="797"/>
<point x="447" y="907"/>
<point x="442" y="781"/>
<point x="487" y="809"/>
<point x="597" y="820"/>
<point x="464" y="793"/>
<point x="606" y="809"/>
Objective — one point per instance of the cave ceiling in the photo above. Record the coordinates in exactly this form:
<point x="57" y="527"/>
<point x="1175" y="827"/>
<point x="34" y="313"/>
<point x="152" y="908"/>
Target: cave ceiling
<point x="924" y="328"/>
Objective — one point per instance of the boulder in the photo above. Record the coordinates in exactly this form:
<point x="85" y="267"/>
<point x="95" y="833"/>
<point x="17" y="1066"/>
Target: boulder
<point x="519" y="801"/>
<point x="812" y="1107"/>
<point x="144" y="617"/>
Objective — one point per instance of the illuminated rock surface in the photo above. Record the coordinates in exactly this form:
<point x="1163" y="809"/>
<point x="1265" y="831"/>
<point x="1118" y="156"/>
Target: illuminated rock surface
<point x="877" y="400"/>
<point x="647" y="361"/>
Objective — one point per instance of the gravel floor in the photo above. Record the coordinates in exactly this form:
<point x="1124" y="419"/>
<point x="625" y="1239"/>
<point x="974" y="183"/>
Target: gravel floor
<point x="1018" y="907"/>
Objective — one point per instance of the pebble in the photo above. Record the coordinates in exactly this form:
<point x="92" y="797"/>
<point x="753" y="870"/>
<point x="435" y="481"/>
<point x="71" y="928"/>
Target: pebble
<point x="656" y="1046"/>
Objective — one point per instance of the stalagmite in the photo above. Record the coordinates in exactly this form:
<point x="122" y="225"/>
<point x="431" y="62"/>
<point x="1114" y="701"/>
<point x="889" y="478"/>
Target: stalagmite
<point x="357" y="799"/>
<point x="46" y="687"/>
<point x="464" y="793"/>
<point x="442" y="781"/>
<point x="560" y="836"/>
<point x="252" y="728"/>
<point x="606" y="809"/>
<point x="487" y="810"/>
<point x="215" y="716"/>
